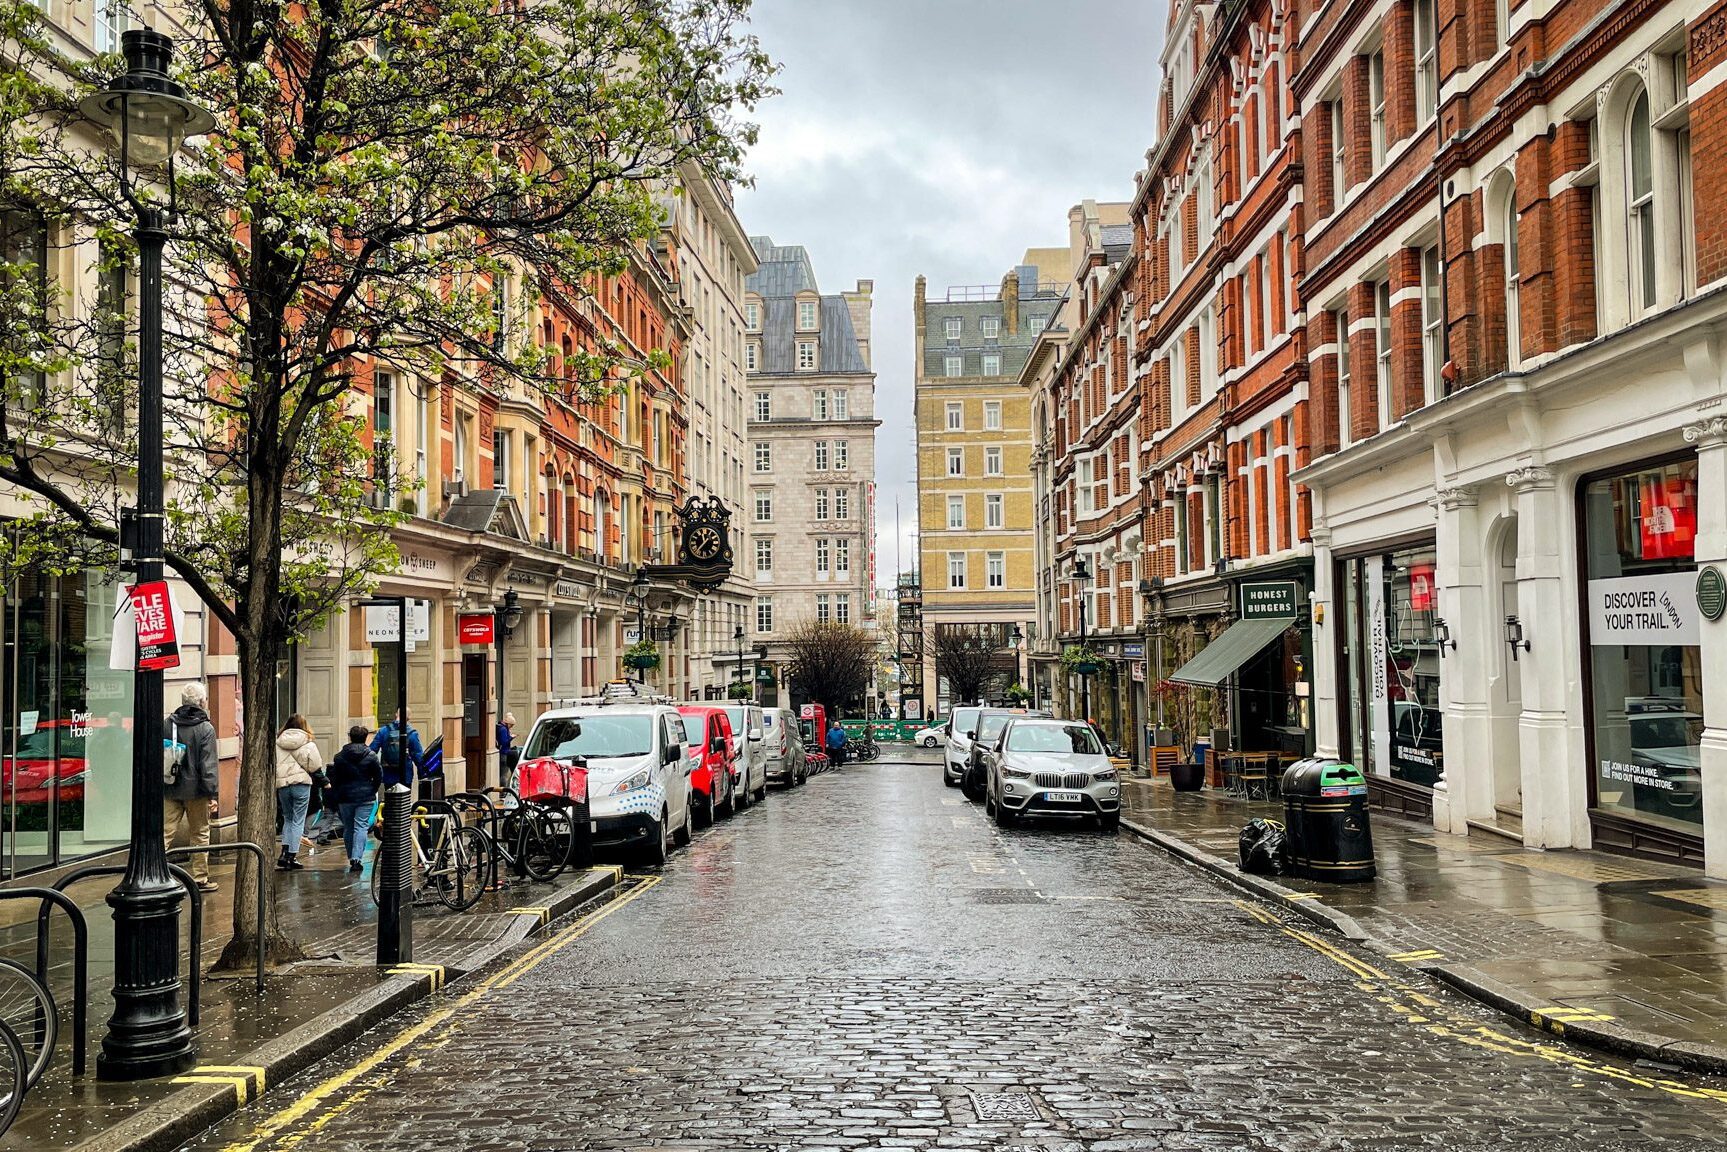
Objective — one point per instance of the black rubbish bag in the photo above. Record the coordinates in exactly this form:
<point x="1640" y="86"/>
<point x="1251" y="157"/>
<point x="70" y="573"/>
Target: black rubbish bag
<point x="1263" y="848"/>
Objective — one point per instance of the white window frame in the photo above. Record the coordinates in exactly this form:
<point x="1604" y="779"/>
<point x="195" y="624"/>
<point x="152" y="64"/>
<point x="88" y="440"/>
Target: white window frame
<point x="821" y="503"/>
<point x="841" y="404"/>
<point x="764" y="507"/>
<point x="992" y="460"/>
<point x="752" y="316"/>
<point x="1085" y="501"/>
<point x="842" y="504"/>
<point x="1426" y="31"/>
<point x="824" y="556"/>
<point x="808" y="315"/>
<point x="994" y="511"/>
<point x="1340" y="322"/>
<point x="842" y="556"/>
<point x="822" y="612"/>
<point x="819" y="404"/>
<point x="1641" y="233"/>
<point x="764" y="406"/>
<point x="956" y="513"/>
<point x="820" y="455"/>
<point x="842" y="455"/>
<point x="763" y="455"/>
<point x="995" y="570"/>
<point x="1376" y="106"/>
<point x="1339" y="153"/>
<point x="990" y="327"/>
<point x="956" y="570"/>
<point x="764" y="555"/>
<point x="842" y="607"/>
<point x="764" y="614"/>
<point x="807" y="356"/>
<point x="956" y="461"/>
<point x="752" y="356"/>
<point x="991" y="364"/>
<point x="992" y="415"/>
<point x="1432" y="324"/>
<point x="953" y="366"/>
<point x="951" y="328"/>
<point x="1382" y="349"/>
<point x="955" y="416"/>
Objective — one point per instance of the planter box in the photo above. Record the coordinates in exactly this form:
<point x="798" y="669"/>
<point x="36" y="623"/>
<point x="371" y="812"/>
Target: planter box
<point x="1187" y="777"/>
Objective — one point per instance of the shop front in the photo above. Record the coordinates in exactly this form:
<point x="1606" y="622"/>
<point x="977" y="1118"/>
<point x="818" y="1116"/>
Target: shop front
<point x="1644" y="616"/>
<point x="1390" y="660"/>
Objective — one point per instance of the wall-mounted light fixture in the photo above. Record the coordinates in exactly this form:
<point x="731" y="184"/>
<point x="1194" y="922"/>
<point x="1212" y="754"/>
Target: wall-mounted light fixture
<point x="1442" y="636"/>
<point x="1514" y="636"/>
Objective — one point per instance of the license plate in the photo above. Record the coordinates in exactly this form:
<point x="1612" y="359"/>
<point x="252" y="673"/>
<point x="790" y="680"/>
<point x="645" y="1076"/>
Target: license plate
<point x="1062" y="797"/>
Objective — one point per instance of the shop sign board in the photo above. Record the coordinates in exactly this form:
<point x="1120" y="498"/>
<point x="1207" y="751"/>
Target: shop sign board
<point x="1269" y="600"/>
<point x="476" y="628"/>
<point x="1139" y="671"/>
<point x="569" y="589"/>
<point x="1133" y="651"/>
<point x="1711" y="593"/>
<point x="1643" y="611"/>
<point x="384" y="625"/>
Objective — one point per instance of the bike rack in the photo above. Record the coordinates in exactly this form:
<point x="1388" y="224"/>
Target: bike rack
<point x="195" y="944"/>
<point x="490" y="816"/>
<point x="263" y="869"/>
<point x="52" y="897"/>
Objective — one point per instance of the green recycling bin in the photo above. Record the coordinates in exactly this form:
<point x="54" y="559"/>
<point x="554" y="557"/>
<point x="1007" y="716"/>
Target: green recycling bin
<point x="1326" y="823"/>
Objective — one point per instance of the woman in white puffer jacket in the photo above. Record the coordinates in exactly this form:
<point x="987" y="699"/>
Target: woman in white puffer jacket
<point x="297" y="757"/>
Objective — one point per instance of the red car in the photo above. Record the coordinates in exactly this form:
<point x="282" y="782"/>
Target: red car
<point x="709" y="743"/>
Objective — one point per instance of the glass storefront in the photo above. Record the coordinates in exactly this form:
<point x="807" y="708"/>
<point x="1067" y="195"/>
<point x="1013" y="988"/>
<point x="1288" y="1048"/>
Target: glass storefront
<point x="1645" y="668"/>
<point x="66" y="732"/>
<point x="1392" y="722"/>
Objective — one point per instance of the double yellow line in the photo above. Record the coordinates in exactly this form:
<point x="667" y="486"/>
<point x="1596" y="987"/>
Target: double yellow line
<point x="295" y="1114"/>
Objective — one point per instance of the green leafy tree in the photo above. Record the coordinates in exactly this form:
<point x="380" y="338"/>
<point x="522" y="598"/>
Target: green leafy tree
<point x="389" y="185"/>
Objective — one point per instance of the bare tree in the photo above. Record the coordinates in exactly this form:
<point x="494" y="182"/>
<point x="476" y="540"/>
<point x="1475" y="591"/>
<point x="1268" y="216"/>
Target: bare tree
<point x="831" y="663"/>
<point x="972" y="658"/>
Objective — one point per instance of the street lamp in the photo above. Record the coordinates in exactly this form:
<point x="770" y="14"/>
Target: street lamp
<point x="148" y="1035"/>
<point x="507" y="616"/>
<point x="638" y="591"/>
<point x="1082" y="574"/>
<point x="738" y="639"/>
<point x="1017" y="639"/>
<point x="1152" y="592"/>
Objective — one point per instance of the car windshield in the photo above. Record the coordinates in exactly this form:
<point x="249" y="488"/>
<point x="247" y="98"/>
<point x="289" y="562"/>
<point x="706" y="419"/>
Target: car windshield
<point x="990" y="727"/>
<point x="1666" y="730"/>
<point x="736" y="716"/>
<point x="964" y="719"/>
<point x="1065" y="738"/>
<point x="694" y="728"/>
<point x="595" y="737"/>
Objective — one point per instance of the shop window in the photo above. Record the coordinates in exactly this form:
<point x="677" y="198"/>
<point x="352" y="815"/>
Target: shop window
<point x="1393" y="666"/>
<point x="1645" y="663"/>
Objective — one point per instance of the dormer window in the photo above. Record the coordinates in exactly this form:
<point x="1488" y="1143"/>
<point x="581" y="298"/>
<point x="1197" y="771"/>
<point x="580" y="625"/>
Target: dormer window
<point x="753" y="316"/>
<point x="806" y="315"/>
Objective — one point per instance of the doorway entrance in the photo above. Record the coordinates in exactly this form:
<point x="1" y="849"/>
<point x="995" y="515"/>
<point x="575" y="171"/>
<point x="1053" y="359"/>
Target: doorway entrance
<point x="1505" y="693"/>
<point x="474" y="718"/>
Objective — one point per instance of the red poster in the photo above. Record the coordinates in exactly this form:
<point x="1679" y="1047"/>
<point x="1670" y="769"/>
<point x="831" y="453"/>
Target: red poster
<point x="476" y="628"/>
<point x="1423" y="591"/>
<point x="153" y="613"/>
<point x="1668" y="526"/>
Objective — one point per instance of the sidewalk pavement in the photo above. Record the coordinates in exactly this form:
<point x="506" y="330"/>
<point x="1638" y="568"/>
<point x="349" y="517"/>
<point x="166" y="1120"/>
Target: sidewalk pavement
<point x="307" y="1010"/>
<point x="1624" y="954"/>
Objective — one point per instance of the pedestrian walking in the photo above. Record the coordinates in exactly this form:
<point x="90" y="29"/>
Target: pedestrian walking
<point x="384" y="743"/>
<point x="297" y="758"/>
<point x="189" y="781"/>
<point x="508" y="754"/>
<point x="355" y="777"/>
<point x="837" y="744"/>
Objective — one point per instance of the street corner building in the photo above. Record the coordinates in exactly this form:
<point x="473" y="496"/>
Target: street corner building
<point x="810" y="524"/>
<point x="1393" y="430"/>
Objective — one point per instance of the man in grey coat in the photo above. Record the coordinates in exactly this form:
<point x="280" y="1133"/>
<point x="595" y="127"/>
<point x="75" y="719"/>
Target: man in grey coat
<point x="193" y="790"/>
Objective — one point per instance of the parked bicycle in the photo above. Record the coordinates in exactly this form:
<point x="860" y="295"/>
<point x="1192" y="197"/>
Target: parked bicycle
<point x="452" y="861"/>
<point x="29" y="1029"/>
<point x="864" y="746"/>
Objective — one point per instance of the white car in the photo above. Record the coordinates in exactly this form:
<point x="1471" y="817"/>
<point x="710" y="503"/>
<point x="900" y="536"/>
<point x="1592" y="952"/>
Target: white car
<point x="929" y="737"/>
<point x="961" y="724"/>
<point x="638" y="775"/>
<point x="1038" y="767"/>
<point x="752" y="761"/>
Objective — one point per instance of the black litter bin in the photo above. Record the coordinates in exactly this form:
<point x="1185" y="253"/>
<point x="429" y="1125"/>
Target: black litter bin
<point x="1325" y="810"/>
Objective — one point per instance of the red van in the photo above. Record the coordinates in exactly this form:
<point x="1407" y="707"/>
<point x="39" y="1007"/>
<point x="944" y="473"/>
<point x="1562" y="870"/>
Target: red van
<point x="708" y="743"/>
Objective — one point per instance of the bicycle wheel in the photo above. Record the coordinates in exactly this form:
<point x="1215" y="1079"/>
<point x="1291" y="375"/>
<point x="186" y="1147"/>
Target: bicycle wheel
<point x="14" y="1071"/>
<point x="560" y="825"/>
<point x="463" y="868"/>
<point x="28" y="1010"/>
<point x="539" y="851"/>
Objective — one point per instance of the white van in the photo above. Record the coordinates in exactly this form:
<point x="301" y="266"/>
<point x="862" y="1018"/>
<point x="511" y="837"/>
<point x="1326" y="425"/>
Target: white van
<point x="638" y="775"/>
<point x="752" y="761"/>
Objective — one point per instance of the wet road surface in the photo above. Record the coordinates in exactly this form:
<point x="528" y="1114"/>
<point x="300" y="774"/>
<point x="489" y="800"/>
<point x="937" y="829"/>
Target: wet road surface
<point x="865" y="962"/>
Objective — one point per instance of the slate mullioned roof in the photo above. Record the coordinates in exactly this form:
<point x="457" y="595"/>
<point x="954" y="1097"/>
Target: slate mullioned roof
<point x="786" y="271"/>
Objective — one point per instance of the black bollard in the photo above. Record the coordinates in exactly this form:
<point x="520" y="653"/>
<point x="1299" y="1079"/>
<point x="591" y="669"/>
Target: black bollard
<point x="396" y="877"/>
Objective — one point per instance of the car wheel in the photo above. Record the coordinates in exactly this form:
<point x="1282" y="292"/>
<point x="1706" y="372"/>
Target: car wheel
<point x="728" y="808"/>
<point x="741" y="794"/>
<point x="928" y="741"/>
<point x="1004" y="818"/>
<point x="702" y="808"/>
<point x="655" y="852"/>
<point x="803" y="774"/>
<point x="948" y="780"/>
<point x="683" y="834"/>
<point x="1109" y="822"/>
<point x="989" y="804"/>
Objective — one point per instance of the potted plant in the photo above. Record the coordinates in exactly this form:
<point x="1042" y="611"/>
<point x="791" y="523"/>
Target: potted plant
<point x="739" y="691"/>
<point x="1017" y="696"/>
<point x="1081" y="659"/>
<point x="643" y="655"/>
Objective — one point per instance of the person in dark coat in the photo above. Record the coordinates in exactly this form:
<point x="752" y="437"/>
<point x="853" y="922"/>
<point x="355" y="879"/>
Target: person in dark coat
<point x="356" y="774"/>
<point x="384" y="744"/>
<point x="191" y="792"/>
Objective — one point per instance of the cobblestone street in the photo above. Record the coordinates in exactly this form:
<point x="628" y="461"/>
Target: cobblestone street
<point x="865" y="962"/>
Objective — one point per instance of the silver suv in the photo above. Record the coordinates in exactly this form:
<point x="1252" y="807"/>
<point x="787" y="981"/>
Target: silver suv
<point x="1050" y="768"/>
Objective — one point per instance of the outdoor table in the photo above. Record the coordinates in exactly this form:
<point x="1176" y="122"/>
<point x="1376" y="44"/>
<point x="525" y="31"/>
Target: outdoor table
<point x="1245" y="773"/>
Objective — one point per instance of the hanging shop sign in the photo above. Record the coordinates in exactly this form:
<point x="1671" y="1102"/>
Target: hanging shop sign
<point x="476" y="628"/>
<point x="1711" y="593"/>
<point x="1269" y="600"/>
<point x="1649" y="610"/>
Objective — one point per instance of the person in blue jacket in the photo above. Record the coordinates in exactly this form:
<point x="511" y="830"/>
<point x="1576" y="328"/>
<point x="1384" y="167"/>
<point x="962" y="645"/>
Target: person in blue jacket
<point x="354" y="778"/>
<point x="837" y="744"/>
<point x="384" y="744"/>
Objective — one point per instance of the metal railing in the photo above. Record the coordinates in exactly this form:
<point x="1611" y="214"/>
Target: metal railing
<point x="263" y="873"/>
<point x="194" y="946"/>
<point x="49" y="898"/>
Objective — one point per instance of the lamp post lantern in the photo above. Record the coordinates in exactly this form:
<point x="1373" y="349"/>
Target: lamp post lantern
<point x="1017" y="639"/>
<point x="638" y="591"/>
<point x="148" y="1035"/>
<point x="507" y="618"/>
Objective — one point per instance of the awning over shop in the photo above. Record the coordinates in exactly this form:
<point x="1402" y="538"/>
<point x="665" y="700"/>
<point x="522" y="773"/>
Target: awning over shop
<point x="1240" y="642"/>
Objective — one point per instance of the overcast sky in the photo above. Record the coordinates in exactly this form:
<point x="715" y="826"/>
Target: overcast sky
<point x="941" y="137"/>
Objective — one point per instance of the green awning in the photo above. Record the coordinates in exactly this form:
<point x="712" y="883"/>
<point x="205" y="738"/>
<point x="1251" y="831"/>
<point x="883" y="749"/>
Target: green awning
<point x="1240" y="642"/>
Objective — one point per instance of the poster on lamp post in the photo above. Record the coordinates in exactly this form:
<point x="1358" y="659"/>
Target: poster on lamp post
<point x="153" y="617"/>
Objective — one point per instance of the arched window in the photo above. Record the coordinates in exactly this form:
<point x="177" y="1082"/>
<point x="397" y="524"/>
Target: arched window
<point x="1640" y="203"/>
<point x="1502" y="227"/>
<point x="602" y="522"/>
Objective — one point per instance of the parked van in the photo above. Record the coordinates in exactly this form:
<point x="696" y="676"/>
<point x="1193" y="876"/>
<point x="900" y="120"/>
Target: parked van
<point x="713" y="755"/>
<point x="752" y="763"/>
<point x="787" y="762"/>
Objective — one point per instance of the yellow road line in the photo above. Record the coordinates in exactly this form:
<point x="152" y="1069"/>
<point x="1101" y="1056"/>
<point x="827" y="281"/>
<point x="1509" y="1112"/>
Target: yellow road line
<point x="242" y="1085"/>
<point x="435" y="971"/>
<point x="252" y="1071"/>
<point x="315" y="1098"/>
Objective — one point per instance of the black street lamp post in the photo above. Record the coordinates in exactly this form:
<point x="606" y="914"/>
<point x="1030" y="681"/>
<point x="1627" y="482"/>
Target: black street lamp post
<point x="738" y="639"/>
<point x="148" y="1035"/>
<point x="506" y="618"/>
<point x="1017" y="638"/>
<point x="638" y="592"/>
<point x="1082" y="574"/>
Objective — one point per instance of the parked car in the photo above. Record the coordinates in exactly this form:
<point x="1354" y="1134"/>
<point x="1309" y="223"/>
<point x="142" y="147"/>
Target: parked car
<point x="713" y="751"/>
<point x="787" y="761"/>
<point x="638" y="775"/>
<point x="1039" y="767"/>
<point x="929" y="737"/>
<point x="959" y="729"/>
<point x="990" y="722"/>
<point x="751" y="766"/>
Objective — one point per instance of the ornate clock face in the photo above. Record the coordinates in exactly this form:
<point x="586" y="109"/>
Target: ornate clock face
<point x="705" y="543"/>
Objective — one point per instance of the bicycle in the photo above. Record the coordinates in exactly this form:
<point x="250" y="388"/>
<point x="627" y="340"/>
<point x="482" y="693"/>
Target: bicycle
<point x="536" y="839"/>
<point x="452" y="861"/>
<point x="865" y="746"/>
<point x="29" y="1029"/>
